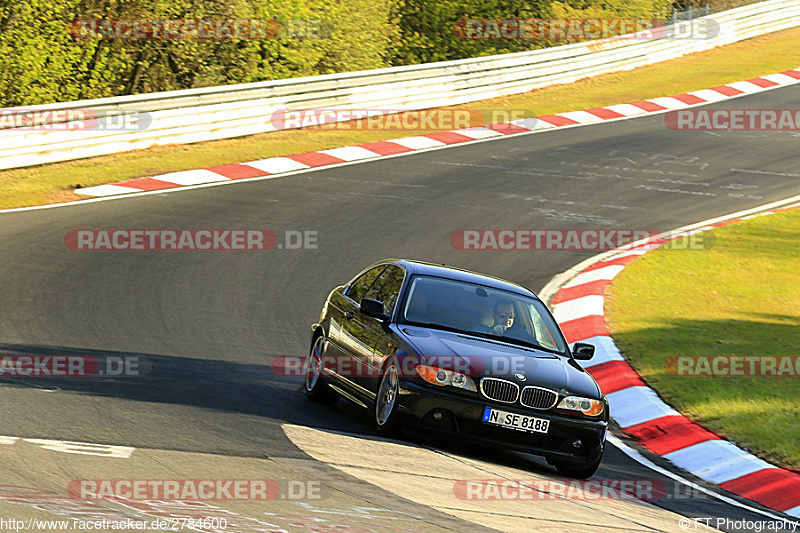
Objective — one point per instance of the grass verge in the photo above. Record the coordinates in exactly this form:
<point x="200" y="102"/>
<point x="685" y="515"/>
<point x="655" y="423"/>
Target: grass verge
<point x="754" y="57"/>
<point x="741" y="297"/>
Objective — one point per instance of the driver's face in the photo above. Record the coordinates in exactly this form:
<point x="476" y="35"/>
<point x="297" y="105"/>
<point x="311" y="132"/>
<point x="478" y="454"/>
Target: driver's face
<point x="504" y="315"/>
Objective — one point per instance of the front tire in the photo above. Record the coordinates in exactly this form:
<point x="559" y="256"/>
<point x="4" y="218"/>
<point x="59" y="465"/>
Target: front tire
<point x="385" y="413"/>
<point x="316" y="388"/>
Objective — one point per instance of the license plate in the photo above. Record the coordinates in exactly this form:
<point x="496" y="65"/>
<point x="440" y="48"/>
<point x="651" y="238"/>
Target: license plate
<point x="515" y="421"/>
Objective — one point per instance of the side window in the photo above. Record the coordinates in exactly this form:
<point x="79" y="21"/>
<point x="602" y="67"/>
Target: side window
<point x="386" y="288"/>
<point x="358" y="289"/>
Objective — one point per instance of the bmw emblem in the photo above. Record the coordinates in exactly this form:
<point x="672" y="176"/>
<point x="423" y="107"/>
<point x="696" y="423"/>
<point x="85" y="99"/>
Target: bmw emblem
<point x="520" y="376"/>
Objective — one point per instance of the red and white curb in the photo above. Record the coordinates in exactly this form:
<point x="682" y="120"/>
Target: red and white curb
<point x="578" y="307"/>
<point x="277" y="166"/>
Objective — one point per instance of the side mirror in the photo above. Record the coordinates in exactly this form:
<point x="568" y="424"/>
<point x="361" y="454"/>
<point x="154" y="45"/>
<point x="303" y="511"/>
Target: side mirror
<point x="582" y="351"/>
<point x="373" y="308"/>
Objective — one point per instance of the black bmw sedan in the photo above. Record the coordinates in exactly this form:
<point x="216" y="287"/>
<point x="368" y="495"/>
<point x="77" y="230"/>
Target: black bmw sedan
<point x="460" y="353"/>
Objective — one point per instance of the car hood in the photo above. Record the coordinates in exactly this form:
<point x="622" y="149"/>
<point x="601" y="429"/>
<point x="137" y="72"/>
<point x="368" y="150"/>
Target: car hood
<point x="489" y="358"/>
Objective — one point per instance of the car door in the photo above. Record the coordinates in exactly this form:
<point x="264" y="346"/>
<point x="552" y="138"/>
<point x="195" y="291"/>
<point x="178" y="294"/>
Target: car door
<point x="386" y="289"/>
<point x="353" y="339"/>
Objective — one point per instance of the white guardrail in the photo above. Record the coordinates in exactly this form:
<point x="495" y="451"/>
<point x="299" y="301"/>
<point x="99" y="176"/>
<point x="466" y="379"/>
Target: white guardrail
<point x="195" y="115"/>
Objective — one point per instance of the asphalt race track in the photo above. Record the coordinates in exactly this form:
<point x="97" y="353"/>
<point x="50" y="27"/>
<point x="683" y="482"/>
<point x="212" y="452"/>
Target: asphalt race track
<point x="209" y="323"/>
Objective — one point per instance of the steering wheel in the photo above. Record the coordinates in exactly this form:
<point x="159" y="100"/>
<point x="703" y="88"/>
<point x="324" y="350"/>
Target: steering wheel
<point x="520" y="333"/>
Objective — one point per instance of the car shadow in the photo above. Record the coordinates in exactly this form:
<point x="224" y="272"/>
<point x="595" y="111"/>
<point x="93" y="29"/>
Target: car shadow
<point x="249" y="389"/>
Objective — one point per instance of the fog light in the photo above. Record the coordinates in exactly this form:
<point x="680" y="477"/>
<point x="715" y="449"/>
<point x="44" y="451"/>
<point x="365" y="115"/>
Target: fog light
<point x="437" y="415"/>
<point x="577" y="443"/>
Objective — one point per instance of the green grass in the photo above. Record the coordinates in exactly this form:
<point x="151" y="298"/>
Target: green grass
<point x="754" y="57"/>
<point x="740" y="297"/>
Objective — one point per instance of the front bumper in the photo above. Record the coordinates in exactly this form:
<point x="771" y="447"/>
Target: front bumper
<point x="462" y="418"/>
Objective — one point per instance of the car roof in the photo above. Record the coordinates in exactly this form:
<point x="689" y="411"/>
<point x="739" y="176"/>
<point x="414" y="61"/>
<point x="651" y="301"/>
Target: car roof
<point x="459" y="274"/>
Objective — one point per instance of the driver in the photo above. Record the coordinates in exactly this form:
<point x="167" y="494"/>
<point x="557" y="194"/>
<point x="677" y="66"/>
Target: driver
<point x="503" y="317"/>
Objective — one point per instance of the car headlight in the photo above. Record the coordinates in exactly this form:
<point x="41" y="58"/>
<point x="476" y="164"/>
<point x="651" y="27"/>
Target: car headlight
<point x="586" y="406"/>
<point x="441" y="377"/>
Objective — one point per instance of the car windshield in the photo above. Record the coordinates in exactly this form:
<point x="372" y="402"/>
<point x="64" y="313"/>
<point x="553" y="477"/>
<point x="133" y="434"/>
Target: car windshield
<point x="481" y="311"/>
